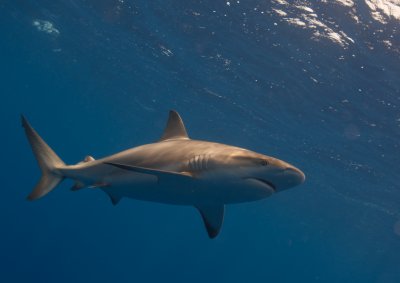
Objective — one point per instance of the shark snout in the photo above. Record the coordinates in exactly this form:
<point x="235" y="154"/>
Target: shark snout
<point x="294" y="176"/>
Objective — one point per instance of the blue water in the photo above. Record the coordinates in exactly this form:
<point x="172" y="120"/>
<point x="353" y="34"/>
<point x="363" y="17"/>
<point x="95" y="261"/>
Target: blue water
<point x="315" y="84"/>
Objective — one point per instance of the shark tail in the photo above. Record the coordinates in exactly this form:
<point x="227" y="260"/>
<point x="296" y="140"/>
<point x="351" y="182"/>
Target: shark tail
<point x="48" y="161"/>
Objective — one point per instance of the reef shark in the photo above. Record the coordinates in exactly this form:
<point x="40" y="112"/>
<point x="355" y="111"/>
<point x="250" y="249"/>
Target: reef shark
<point x="174" y="170"/>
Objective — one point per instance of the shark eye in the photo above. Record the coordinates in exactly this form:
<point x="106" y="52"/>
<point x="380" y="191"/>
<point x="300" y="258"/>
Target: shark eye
<point x="264" y="162"/>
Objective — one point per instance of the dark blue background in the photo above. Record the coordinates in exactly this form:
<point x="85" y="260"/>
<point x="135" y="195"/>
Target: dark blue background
<point x="105" y="83"/>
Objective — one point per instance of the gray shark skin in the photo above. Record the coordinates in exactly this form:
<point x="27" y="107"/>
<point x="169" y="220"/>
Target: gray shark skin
<point x="175" y="170"/>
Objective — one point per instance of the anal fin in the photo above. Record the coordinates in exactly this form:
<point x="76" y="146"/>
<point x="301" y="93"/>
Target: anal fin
<point x="114" y="199"/>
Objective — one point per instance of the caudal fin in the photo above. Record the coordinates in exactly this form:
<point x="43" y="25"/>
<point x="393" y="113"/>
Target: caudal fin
<point x="48" y="162"/>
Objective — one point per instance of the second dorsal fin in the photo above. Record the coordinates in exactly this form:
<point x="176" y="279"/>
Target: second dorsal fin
<point x="175" y="128"/>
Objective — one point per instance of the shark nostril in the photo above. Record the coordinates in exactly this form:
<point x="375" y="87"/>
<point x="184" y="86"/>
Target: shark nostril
<point x="291" y="169"/>
<point x="296" y="172"/>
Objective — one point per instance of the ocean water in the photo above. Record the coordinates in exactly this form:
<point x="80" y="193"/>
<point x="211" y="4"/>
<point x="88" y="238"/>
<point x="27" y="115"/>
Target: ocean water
<point x="315" y="83"/>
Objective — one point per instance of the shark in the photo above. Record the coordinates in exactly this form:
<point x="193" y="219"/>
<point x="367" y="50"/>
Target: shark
<point x="174" y="170"/>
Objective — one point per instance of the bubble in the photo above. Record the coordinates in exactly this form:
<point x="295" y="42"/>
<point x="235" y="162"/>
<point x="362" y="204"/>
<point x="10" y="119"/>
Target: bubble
<point x="351" y="132"/>
<point x="45" y="26"/>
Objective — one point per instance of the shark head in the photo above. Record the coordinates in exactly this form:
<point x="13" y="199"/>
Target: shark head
<point x="276" y="173"/>
<point x="262" y="171"/>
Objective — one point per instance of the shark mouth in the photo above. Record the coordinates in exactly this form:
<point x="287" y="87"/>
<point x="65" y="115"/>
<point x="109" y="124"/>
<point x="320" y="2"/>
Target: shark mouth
<point x="268" y="184"/>
<point x="265" y="182"/>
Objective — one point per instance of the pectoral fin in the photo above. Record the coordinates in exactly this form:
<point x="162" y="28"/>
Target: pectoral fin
<point x="160" y="174"/>
<point x="213" y="216"/>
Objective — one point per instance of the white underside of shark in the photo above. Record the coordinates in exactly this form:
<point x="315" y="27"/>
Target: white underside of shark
<point x="175" y="170"/>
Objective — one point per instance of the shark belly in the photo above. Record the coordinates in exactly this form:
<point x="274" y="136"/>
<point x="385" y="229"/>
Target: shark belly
<point x="149" y="188"/>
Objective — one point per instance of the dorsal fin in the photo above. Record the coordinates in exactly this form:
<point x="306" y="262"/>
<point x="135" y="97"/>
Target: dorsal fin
<point x="175" y="128"/>
<point x="88" y="158"/>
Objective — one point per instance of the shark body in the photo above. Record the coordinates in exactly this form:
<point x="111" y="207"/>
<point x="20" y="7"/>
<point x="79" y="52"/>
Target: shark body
<point x="175" y="170"/>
